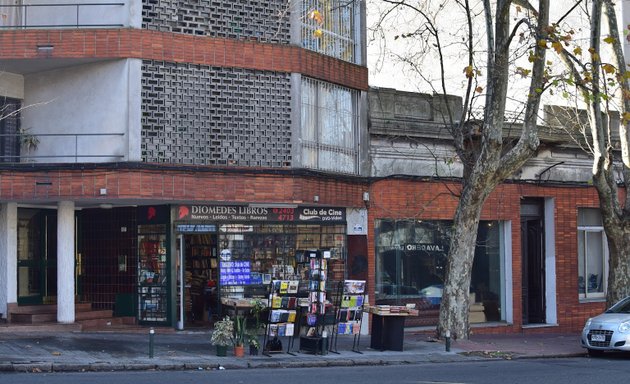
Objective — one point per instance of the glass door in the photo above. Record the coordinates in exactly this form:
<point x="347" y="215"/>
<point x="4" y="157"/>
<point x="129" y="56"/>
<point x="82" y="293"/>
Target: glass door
<point x="37" y="256"/>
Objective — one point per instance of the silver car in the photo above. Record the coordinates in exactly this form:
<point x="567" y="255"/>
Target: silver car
<point x="609" y="331"/>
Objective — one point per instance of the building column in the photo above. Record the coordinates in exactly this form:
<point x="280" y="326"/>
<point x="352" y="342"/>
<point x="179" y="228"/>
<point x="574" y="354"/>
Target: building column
<point x="65" y="262"/>
<point x="8" y="256"/>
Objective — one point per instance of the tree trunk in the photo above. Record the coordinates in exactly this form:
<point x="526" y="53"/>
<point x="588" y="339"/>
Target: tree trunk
<point x="617" y="229"/>
<point x="619" y="263"/>
<point x="455" y="306"/>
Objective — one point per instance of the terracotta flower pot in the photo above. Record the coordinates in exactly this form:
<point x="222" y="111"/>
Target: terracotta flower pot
<point x="239" y="350"/>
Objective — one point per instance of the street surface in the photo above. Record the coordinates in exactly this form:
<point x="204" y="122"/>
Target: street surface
<point x="581" y="370"/>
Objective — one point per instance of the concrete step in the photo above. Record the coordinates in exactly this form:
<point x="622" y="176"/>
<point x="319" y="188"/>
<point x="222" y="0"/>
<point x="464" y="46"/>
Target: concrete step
<point x="51" y="317"/>
<point x="46" y="308"/>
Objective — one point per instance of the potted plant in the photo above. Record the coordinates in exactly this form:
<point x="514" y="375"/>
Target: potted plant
<point x="223" y="335"/>
<point x="239" y="336"/>
<point x="254" y="344"/>
<point x="258" y="306"/>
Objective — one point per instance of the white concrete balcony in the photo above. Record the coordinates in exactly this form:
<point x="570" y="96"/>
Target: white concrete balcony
<point x="41" y="14"/>
<point x="86" y="113"/>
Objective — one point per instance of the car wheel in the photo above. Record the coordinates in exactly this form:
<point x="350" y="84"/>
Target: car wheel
<point x="595" y="352"/>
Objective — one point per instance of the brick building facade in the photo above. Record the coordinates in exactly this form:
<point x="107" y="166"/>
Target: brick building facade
<point x="157" y="109"/>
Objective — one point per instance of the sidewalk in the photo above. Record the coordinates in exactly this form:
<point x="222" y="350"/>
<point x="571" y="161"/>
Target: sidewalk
<point x="76" y="351"/>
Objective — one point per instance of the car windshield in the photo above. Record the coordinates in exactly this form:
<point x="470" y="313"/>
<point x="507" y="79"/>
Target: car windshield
<point x="621" y="307"/>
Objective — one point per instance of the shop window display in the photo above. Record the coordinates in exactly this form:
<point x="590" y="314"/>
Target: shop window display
<point x="410" y="267"/>
<point x="252" y="255"/>
<point x="152" y="274"/>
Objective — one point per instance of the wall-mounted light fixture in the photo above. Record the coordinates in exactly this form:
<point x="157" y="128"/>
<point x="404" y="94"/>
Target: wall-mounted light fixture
<point x="366" y="198"/>
<point x="45" y="49"/>
<point x="316" y="198"/>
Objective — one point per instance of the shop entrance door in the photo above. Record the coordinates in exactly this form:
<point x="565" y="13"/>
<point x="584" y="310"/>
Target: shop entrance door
<point x="200" y="278"/>
<point x="533" y="262"/>
<point x="37" y="256"/>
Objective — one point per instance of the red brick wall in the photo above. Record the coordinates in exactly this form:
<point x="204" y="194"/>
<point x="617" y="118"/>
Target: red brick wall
<point x="437" y="201"/>
<point x="389" y="198"/>
<point x="179" y="48"/>
<point x="176" y="184"/>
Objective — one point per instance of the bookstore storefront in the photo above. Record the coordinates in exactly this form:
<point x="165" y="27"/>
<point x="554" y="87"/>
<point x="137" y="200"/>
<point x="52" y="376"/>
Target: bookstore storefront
<point x="410" y="267"/>
<point x="235" y="251"/>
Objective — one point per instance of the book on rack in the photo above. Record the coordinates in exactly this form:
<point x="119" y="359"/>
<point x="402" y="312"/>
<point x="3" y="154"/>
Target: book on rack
<point x="293" y="286"/>
<point x="284" y="287"/>
<point x="354" y="286"/>
<point x="289" y="329"/>
<point x="275" y="316"/>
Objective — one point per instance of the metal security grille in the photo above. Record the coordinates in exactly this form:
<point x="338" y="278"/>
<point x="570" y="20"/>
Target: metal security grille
<point x="9" y="130"/>
<point x="107" y="255"/>
<point x="215" y="116"/>
<point x="330" y="126"/>
<point x="328" y="27"/>
<point x="235" y="19"/>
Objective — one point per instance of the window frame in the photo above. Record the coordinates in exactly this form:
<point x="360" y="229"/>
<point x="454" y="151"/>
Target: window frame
<point x="317" y="117"/>
<point x="582" y="232"/>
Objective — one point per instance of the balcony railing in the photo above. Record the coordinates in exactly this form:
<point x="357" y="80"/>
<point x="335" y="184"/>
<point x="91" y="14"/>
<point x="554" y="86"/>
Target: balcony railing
<point x="79" y="15"/>
<point x="70" y="138"/>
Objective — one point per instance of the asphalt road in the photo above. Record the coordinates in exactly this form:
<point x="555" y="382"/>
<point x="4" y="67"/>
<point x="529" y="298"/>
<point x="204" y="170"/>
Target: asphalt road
<point x="611" y="369"/>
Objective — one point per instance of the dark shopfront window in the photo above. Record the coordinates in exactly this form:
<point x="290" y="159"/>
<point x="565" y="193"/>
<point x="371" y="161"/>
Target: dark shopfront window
<point x="411" y="261"/>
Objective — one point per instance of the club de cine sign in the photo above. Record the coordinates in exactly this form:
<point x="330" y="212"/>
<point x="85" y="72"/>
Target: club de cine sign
<point x="244" y="213"/>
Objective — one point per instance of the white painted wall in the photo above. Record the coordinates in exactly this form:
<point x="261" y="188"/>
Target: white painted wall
<point x="58" y="13"/>
<point x="8" y="256"/>
<point x="11" y="85"/>
<point x="103" y="97"/>
<point x="65" y="262"/>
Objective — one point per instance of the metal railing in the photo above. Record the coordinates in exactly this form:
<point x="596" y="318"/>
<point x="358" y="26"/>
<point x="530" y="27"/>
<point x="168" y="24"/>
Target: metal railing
<point x="74" y="155"/>
<point x="17" y="16"/>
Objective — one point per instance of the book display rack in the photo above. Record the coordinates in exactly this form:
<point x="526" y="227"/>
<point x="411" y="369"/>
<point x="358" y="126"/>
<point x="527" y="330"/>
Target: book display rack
<point x="350" y="313"/>
<point x="282" y="317"/>
<point x="314" y="339"/>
